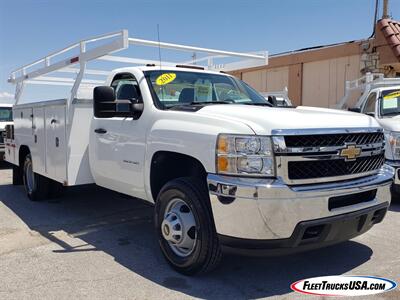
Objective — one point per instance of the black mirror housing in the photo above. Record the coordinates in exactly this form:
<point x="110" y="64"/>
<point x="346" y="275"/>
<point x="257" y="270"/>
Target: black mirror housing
<point x="354" y="109"/>
<point x="103" y="102"/>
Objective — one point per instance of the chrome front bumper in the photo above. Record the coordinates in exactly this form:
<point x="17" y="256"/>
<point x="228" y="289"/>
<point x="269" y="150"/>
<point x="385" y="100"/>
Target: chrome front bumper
<point x="396" y="165"/>
<point x="267" y="209"/>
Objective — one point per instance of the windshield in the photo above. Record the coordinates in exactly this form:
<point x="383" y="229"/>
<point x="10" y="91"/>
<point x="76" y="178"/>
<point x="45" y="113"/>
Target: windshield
<point x="172" y="88"/>
<point x="390" y="102"/>
<point x="5" y="114"/>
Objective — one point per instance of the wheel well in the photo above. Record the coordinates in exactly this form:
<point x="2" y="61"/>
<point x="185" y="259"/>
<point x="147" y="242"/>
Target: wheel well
<point x="166" y="166"/>
<point x="23" y="151"/>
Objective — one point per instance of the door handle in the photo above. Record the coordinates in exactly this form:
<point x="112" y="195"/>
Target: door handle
<point x="100" y="131"/>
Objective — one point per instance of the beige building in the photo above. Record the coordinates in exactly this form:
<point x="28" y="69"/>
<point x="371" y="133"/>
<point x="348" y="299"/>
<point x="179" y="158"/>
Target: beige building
<point x="316" y="76"/>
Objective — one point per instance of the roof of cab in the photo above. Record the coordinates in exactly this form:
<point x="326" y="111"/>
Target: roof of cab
<point x="6" y="105"/>
<point x="385" y="88"/>
<point x="168" y="68"/>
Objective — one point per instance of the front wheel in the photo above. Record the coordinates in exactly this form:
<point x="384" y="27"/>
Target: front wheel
<point x="36" y="186"/>
<point x="185" y="227"/>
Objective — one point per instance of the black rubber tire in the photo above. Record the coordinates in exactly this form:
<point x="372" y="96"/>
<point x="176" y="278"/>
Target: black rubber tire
<point x="41" y="186"/>
<point x="17" y="175"/>
<point x="207" y="253"/>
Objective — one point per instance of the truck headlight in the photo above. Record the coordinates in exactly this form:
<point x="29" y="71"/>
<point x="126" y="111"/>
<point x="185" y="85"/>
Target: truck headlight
<point x="394" y="143"/>
<point x="245" y="155"/>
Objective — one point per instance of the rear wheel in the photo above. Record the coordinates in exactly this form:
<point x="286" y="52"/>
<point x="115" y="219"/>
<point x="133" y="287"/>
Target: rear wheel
<point x="36" y="186"/>
<point x="185" y="227"/>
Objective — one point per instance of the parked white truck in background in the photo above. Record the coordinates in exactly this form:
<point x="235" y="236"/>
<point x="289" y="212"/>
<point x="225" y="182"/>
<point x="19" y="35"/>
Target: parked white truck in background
<point x="5" y="119"/>
<point x="381" y="99"/>
<point x="225" y="170"/>
<point x="280" y="98"/>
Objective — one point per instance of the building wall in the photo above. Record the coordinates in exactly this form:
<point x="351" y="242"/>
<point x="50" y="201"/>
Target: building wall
<point x="313" y="77"/>
<point x="257" y="79"/>
<point x="277" y="79"/>
<point x="316" y="83"/>
<point x="324" y="81"/>
<point x="272" y="80"/>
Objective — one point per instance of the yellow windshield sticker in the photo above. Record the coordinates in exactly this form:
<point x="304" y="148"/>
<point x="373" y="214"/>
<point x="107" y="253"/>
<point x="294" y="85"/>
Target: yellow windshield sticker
<point x="395" y="94"/>
<point x="165" y="78"/>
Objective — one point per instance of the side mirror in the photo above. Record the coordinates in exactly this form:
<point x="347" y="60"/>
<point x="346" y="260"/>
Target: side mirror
<point x="103" y="102"/>
<point x="106" y="106"/>
<point x="272" y="100"/>
<point x="355" y="109"/>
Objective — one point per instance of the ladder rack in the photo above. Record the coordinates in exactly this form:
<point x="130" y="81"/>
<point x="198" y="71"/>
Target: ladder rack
<point x="33" y="73"/>
<point x="365" y="84"/>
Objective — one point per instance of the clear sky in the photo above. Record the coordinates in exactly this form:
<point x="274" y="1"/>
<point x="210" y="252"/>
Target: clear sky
<point x="30" y="29"/>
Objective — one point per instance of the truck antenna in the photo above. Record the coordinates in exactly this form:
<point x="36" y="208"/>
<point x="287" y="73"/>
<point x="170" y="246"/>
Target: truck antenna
<point x="159" y="45"/>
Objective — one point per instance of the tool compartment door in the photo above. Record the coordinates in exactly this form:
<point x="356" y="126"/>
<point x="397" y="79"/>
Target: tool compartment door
<point x="56" y="146"/>
<point x="38" y="150"/>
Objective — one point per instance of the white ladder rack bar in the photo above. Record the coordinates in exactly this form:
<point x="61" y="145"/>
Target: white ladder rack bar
<point x="135" y="61"/>
<point x="58" y="83"/>
<point x="87" y="71"/>
<point x="164" y="45"/>
<point x="61" y="79"/>
<point x="118" y="44"/>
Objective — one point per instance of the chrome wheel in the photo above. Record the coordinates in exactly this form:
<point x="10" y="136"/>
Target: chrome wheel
<point x="179" y="228"/>
<point x="29" y="177"/>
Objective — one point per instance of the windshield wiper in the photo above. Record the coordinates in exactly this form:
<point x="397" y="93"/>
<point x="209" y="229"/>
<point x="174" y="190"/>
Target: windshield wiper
<point x="191" y="104"/>
<point x="258" y="104"/>
<point x="211" y="102"/>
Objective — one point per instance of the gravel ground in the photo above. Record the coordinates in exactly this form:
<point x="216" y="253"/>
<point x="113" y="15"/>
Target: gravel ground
<point x="96" y="244"/>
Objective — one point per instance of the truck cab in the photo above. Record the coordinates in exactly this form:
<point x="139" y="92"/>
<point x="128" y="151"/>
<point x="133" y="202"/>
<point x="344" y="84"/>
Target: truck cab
<point x="5" y="119"/>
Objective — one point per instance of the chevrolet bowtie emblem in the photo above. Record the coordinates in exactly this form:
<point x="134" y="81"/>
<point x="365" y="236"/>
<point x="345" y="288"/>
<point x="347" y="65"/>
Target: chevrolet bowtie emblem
<point x="350" y="152"/>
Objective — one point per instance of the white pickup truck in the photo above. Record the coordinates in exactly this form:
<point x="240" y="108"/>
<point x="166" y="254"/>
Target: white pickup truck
<point x="5" y="119"/>
<point x="381" y="99"/>
<point x="225" y="170"/>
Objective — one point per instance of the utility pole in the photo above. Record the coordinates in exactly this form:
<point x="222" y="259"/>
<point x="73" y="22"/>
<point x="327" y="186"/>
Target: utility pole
<point x="385" y="14"/>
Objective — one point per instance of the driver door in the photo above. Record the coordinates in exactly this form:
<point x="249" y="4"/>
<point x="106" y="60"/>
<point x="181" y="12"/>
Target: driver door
<point x="119" y="144"/>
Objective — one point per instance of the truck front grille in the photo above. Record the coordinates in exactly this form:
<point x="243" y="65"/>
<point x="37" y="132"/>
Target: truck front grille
<point x="335" y="167"/>
<point x="329" y="140"/>
<point x="305" y="158"/>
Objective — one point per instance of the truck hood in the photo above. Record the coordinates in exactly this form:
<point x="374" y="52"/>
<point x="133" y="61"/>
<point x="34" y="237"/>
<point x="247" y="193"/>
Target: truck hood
<point x="3" y="125"/>
<point x="391" y="123"/>
<point x="265" y="119"/>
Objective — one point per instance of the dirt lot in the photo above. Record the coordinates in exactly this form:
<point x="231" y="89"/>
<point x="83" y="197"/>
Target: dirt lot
<point x="92" y="243"/>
